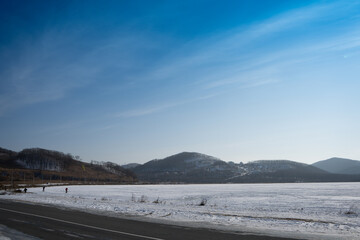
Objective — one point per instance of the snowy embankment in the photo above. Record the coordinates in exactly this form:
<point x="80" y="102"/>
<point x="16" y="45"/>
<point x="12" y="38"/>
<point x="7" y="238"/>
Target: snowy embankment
<point x="311" y="210"/>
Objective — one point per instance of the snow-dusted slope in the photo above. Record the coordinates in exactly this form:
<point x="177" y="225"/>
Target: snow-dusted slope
<point x="185" y="161"/>
<point x="194" y="167"/>
<point x="185" y="167"/>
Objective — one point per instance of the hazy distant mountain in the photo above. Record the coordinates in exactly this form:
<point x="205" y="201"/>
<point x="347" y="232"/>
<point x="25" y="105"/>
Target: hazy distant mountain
<point x="339" y="166"/>
<point x="191" y="167"/>
<point x="130" y="165"/>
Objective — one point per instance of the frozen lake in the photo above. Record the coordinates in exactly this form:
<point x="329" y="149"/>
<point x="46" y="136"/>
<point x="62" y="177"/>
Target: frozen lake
<point x="311" y="210"/>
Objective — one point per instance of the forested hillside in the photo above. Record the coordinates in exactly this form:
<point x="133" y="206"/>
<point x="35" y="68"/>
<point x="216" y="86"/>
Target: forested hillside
<point x="41" y="165"/>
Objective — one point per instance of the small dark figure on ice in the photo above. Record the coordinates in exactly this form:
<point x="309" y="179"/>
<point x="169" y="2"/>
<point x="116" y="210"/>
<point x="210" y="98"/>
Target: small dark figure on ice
<point x="66" y="189"/>
<point x="25" y="190"/>
<point x="43" y="188"/>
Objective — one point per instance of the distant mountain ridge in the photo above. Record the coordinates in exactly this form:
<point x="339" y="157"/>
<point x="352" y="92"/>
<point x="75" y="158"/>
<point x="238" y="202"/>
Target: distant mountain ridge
<point x="130" y="165"/>
<point x="192" y="167"/>
<point x="339" y="165"/>
<point x="185" y="167"/>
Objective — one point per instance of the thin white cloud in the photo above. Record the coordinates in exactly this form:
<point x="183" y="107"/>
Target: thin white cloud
<point x="211" y="63"/>
<point x="138" y="112"/>
<point x="144" y="111"/>
<point x="255" y="63"/>
<point x="219" y="59"/>
<point x="57" y="62"/>
<point x="44" y="72"/>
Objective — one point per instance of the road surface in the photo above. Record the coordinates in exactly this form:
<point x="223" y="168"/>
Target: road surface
<point x="47" y="222"/>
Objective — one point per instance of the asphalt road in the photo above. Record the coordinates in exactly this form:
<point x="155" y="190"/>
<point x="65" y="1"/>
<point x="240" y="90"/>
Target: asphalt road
<point x="47" y="222"/>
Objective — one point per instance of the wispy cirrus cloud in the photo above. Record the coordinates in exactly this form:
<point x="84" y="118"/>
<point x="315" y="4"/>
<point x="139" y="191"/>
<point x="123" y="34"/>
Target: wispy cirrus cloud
<point x="57" y="62"/>
<point x="43" y="70"/>
<point x="147" y="110"/>
<point x="222" y="59"/>
<point x="50" y="67"/>
<point x="240" y="58"/>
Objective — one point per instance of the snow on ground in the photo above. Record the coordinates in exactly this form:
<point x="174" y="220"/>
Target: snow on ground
<point x="310" y="210"/>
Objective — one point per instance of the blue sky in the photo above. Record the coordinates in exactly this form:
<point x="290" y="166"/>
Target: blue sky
<point x="130" y="81"/>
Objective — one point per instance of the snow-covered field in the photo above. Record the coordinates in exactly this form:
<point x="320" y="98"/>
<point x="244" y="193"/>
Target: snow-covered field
<point x="310" y="210"/>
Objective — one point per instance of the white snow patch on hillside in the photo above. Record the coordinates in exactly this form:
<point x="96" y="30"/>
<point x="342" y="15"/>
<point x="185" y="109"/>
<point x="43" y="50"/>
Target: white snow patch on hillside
<point x="323" y="210"/>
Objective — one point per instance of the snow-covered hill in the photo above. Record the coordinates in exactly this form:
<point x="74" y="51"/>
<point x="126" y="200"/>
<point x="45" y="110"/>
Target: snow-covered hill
<point x="192" y="167"/>
<point x="184" y="167"/>
<point x="339" y="165"/>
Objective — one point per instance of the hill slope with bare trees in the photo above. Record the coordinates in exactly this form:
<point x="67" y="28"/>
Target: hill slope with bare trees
<point x="36" y="165"/>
